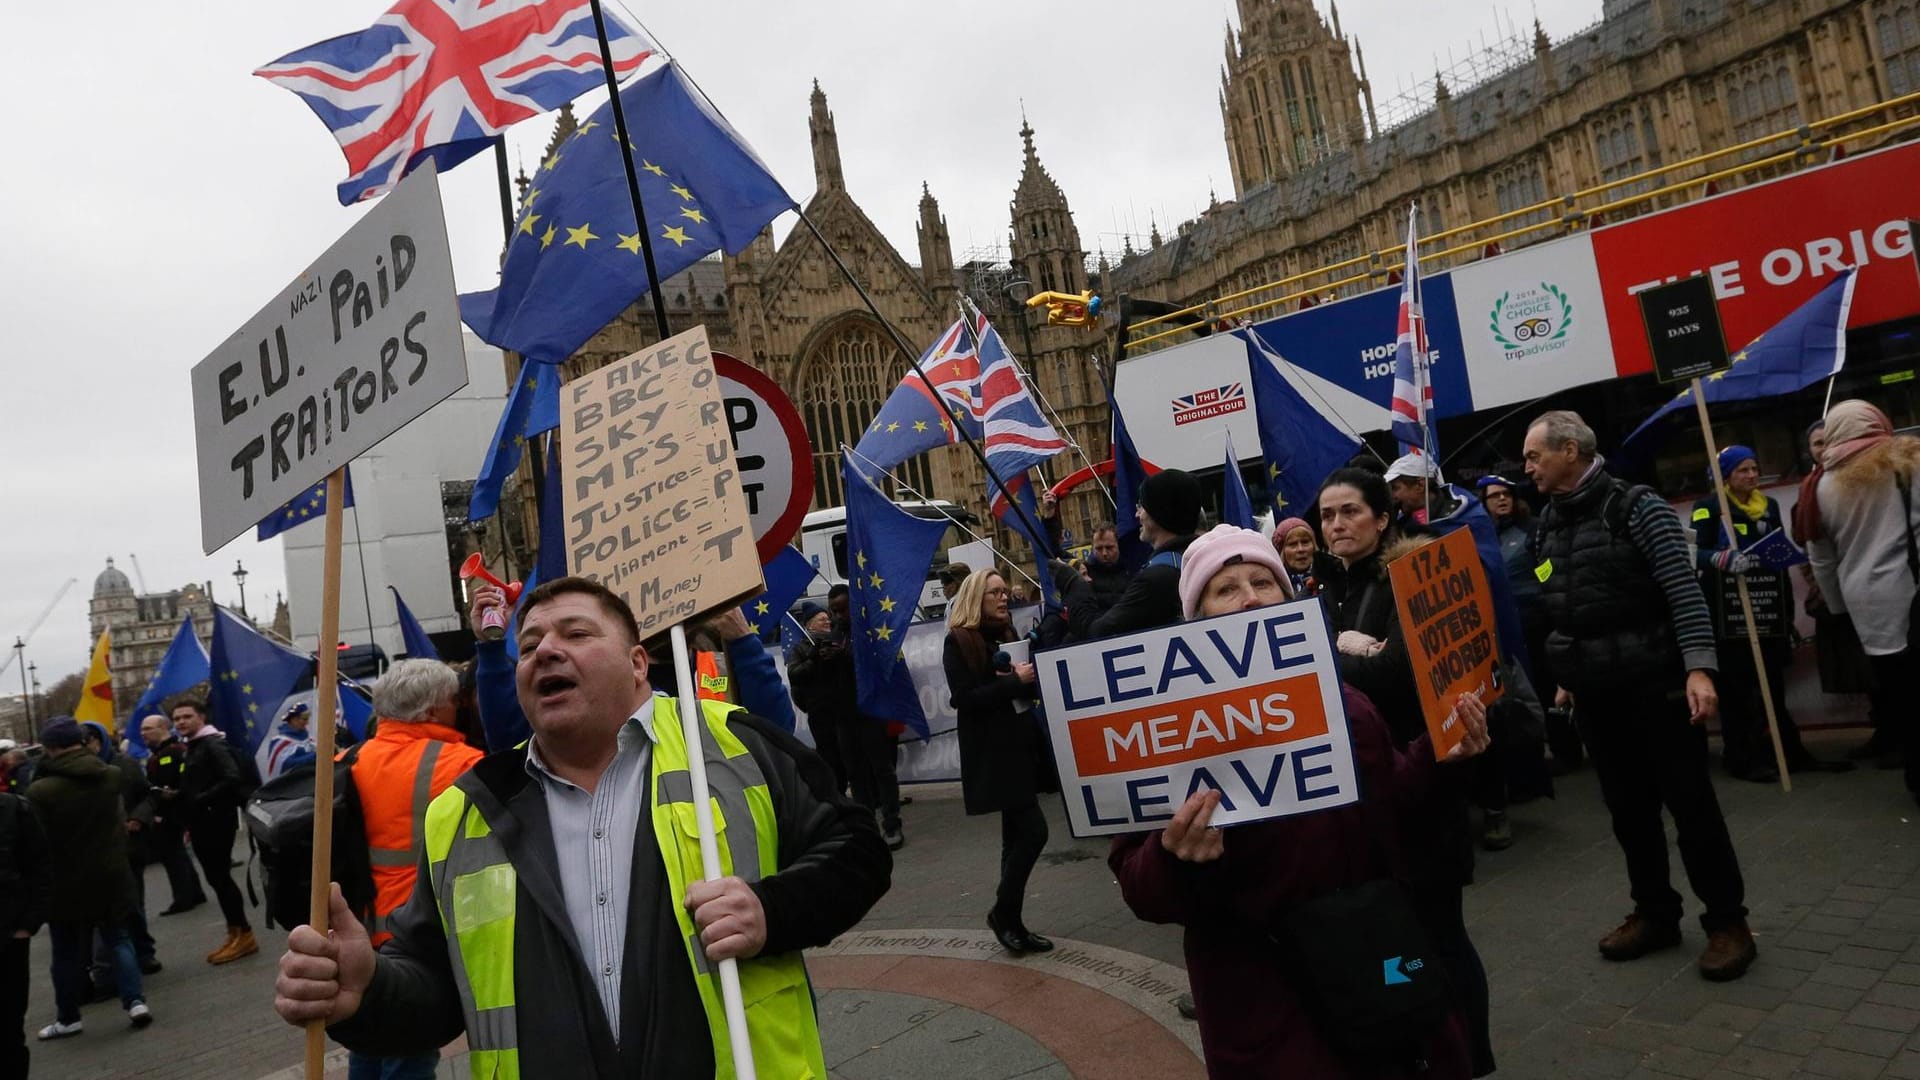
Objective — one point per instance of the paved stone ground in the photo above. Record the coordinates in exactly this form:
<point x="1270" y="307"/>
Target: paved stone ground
<point x="1833" y="873"/>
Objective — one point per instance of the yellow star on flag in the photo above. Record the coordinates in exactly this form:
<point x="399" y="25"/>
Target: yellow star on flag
<point x="884" y="633"/>
<point x="876" y="580"/>
<point x="676" y="234"/>
<point x="547" y="237"/>
<point x="754" y="629"/>
<point x="893" y="426"/>
<point x="246" y="688"/>
<point x="629" y="242"/>
<point x="860" y="559"/>
<point x="580" y="236"/>
<point x="680" y="191"/>
<point x="919" y="425"/>
<point x="652" y="168"/>
<point x="1273" y="471"/>
<point x="532" y="194"/>
<point x="552" y="160"/>
<point x="586" y="127"/>
<point x="526" y="223"/>
<point x="887" y="604"/>
<point x="761" y="608"/>
<point x="693" y="214"/>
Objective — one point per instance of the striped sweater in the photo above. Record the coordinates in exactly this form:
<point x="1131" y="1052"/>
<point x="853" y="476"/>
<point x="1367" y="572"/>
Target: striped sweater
<point x="1655" y="528"/>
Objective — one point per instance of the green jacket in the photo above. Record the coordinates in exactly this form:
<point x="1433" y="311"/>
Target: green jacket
<point x="76" y="796"/>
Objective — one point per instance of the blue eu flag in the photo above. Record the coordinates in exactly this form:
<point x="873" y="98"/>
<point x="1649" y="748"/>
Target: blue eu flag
<point x="251" y="676"/>
<point x="419" y="646"/>
<point x="787" y="576"/>
<point x="533" y="406"/>
<point x="1796" y="352"/>
<point x="1128" y="474"/>
<point x="1236" y="506"/>
<point x="184" y="666"/>
<point x="304" y="507"/>
<point x="574" y="262"/>
<point x="888" y="552"/>
<point x="1299" y="445"/>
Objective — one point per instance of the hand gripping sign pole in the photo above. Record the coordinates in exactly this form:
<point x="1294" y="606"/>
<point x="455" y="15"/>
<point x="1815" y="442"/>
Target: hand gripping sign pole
<point x="1746" y="600"/>
<point x="325" y="694"/>
<point x="694" y="728"/>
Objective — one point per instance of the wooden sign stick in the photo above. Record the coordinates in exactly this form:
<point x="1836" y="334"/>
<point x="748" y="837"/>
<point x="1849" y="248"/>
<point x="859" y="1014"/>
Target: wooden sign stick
<point x="693" y="726"/>
<point x="325" y="701"/>
<point x="1746" y="601"/>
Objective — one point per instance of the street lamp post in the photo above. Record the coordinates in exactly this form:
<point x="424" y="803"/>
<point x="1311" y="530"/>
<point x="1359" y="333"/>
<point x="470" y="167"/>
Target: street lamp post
<point x="34" y="670"/>
<point x="26" y="699"/>
<point x="240" y="578"/>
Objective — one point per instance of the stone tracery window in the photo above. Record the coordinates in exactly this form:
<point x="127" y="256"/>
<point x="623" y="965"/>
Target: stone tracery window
<point x="844" y="381"/>
<point x="1898" y="32"/>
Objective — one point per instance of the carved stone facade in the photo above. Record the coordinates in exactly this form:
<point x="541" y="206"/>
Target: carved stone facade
<point x="1653" y="82"/>
<point x="143" y="628"/>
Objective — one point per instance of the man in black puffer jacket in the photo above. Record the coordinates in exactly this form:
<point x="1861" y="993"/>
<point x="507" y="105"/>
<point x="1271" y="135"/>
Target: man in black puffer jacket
<point x="1169" y="515"/>
<point x="26" y="879"/>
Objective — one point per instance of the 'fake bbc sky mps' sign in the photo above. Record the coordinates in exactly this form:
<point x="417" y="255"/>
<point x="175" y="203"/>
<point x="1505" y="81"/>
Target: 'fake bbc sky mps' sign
<point x="364" y="341"/>
<point x="1247" y="703"/>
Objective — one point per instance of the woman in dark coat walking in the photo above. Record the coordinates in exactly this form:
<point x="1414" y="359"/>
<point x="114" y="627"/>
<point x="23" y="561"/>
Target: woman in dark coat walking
<point x="1229" y="888"/>
<point x="1003" y="765"/>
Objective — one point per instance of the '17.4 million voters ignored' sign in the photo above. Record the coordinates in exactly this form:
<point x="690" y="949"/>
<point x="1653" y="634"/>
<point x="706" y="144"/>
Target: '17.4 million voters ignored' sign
<point x="364" y="341"/>
<point x="653" y="497"/>
<point x="1247" y="703"/>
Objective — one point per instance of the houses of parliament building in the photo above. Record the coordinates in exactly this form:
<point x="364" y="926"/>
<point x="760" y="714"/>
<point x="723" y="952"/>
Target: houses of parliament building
<point x="1319" y="173"/>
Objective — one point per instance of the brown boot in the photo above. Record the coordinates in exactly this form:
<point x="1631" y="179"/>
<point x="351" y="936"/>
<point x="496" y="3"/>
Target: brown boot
<point x="1637" y="937"/>
<point x="1729" y="953"/>
<point x="214" y="956"/>
<point x="243" y="944"/>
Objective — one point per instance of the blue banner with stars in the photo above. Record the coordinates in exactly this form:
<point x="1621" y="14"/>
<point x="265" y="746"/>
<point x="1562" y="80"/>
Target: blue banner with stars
<point x="1298" y="444"/>
<point x="574" y="262"/>
<point x="182" y="668"/>
<point x="787" y="577"/>
<point x="304" y="507"/>
<point x="888" y="551"/>
<point x="533" y="406"/>
<point x="251" y="677"/>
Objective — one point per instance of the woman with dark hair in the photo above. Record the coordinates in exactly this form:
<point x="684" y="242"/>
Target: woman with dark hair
<point x="1356" y="520"/>
<point x="1003" y="765"/>
<point x="1259" y="1011"/>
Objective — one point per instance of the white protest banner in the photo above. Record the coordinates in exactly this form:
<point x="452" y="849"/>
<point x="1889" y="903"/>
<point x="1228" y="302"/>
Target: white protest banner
<point x="364" y="341"/>
<point x="1248" y="704"/>
<point x="771" y="449"/>
<point x="651" y="493"/>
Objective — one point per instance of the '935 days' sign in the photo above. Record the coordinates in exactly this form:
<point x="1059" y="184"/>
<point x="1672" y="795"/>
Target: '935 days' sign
<point x="364" y="341"/>
<point x="654" y="506"/>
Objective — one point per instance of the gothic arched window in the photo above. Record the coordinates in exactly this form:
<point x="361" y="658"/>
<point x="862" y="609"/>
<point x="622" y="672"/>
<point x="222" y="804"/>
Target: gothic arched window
<point x="843" y="382"/>
<point x="1899" y="34"/>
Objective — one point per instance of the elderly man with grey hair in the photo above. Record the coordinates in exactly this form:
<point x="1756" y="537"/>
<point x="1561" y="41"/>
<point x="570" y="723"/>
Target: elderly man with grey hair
<point x="1630" y="645"/>
<point x="415" y="753"/>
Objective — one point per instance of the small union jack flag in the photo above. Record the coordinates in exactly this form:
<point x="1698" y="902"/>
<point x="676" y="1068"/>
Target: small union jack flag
<point x="1412" y="382"/>
<point x="443" y="78"/>
<point x="912" y="420"/>
<point x="1204" y="404"/>
<point x="1017" y="435"/>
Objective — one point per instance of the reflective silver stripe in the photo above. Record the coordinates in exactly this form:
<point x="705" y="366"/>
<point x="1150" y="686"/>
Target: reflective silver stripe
<point x="675" y="787"/>
<point x="379" y="924"/>
<point x="423" y="793"/>
<point x="728" y="779"/>
<point x="492" y="1029"/>
<point x="699" y="952"/>
<point x="382" y="856"/>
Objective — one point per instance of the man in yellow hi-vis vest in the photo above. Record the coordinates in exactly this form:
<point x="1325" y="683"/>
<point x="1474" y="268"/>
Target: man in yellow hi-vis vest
<point x="559" y="919"/>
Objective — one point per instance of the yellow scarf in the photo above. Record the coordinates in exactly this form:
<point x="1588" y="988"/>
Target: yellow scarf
<point x="1755" y="506"/>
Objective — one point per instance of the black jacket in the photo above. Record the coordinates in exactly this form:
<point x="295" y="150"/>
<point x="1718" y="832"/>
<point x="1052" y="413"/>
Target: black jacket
<point x="1109" y="582"/>
<point x="1073" y="621"/>
<point x="166" y="776"/>
<point x="210" y="787"/>
<point x="833" y="868"/>
<point x="1360" y="597"/>
<point x="26" y="875"/>
<point x="1003" y="763"/>
<point x="76" y="796"/>
<point x="1152" y="599"/>
<point x="822" y="679"/>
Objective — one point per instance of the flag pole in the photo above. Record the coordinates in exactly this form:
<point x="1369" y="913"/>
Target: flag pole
<point x="506" y="188"/>
<point x="1746" y="600"/>
<point x="633" y="177"/>
<point x="1032" y="383"/>
<point x="694" y="731"/>
<point x="325" y="701"/>
<point x="913" y="361"/>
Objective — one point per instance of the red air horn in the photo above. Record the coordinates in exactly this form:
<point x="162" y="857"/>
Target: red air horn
<point x="493" y="621"/>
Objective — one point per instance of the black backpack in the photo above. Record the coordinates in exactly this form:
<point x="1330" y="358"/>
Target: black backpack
<point x="279" y="816"/>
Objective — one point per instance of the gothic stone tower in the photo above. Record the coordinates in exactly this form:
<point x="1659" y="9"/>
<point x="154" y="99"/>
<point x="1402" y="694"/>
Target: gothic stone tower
<point x="1288" y="92"/>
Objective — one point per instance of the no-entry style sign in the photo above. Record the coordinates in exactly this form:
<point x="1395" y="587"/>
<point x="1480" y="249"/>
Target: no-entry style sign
<point x="363" y="342"/>
<point x="770" y="446"/>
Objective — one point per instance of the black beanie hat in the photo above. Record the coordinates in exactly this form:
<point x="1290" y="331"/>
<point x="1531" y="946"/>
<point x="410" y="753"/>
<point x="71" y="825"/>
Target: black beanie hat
<point x="1172" y="499"/>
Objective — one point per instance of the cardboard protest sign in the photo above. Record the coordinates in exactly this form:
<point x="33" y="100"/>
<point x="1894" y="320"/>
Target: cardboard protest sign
<point x="1446" y="616"/>
<point x="364" y="341"/>
<point x="1248" y="703"/>
<point x="651" y="493"/>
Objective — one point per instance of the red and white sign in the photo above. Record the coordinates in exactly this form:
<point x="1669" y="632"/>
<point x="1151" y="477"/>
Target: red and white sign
<point x="771" y="450"/>
<point x="1771" y="246"/>
<point x="1205" y="404"/>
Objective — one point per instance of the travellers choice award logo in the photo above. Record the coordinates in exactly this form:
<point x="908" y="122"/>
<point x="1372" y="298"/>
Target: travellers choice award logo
<point x="1206" y="404"/>
<point x="1531" y="322"/>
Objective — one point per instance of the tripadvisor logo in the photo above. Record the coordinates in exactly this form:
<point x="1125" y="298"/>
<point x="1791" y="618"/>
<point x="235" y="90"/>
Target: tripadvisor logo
<point x="1531" y="322"/>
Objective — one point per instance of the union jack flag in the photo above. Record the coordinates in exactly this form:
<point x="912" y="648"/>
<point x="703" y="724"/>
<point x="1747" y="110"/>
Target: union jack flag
<point x="1016" y="434"/>
<point x="1203" y="404"/>
<point x="1412" y="382"/>
<point x="443" y="78"/>
<point x="912" y="421"/>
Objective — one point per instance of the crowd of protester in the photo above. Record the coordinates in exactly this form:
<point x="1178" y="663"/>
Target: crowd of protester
<point x="520" y="788"/>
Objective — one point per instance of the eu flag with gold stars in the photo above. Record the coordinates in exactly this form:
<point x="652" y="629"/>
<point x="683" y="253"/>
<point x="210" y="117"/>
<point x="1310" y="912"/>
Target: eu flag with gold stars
<point x="251" y="677"/>
<point x="787" y="576"/>
<point x="574" y="262"/>
<point x="1298" y="445"/>
<point x="533" y="406"/>
<point x="888" y="553"/>
<point x="309" y="505"/>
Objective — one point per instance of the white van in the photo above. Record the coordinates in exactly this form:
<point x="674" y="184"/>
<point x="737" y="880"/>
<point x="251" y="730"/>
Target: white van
<point x="823" y="540"/>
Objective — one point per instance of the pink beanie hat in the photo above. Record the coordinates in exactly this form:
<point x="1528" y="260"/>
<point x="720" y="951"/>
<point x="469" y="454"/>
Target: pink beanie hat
<point x="1286" y="527"/>
<point x="1225" y="545"/>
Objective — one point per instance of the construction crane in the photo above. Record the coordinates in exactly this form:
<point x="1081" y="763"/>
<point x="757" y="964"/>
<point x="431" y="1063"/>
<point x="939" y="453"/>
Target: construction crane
<point x="28" y="636"/>
<point x="136" y="572"/>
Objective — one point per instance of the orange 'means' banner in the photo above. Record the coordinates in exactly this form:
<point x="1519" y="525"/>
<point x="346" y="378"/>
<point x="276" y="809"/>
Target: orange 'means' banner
<point x="96" y="694"/>
<point x="1446" y="614"/>
<point x="1248" y="704"/>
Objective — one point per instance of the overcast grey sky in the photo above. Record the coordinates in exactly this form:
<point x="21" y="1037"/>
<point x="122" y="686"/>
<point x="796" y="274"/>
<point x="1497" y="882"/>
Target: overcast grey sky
<point x="157" y="195"/>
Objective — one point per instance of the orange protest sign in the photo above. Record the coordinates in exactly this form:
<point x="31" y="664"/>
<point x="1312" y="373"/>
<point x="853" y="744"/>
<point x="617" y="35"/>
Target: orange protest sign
<point x="1446" y="616"/>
